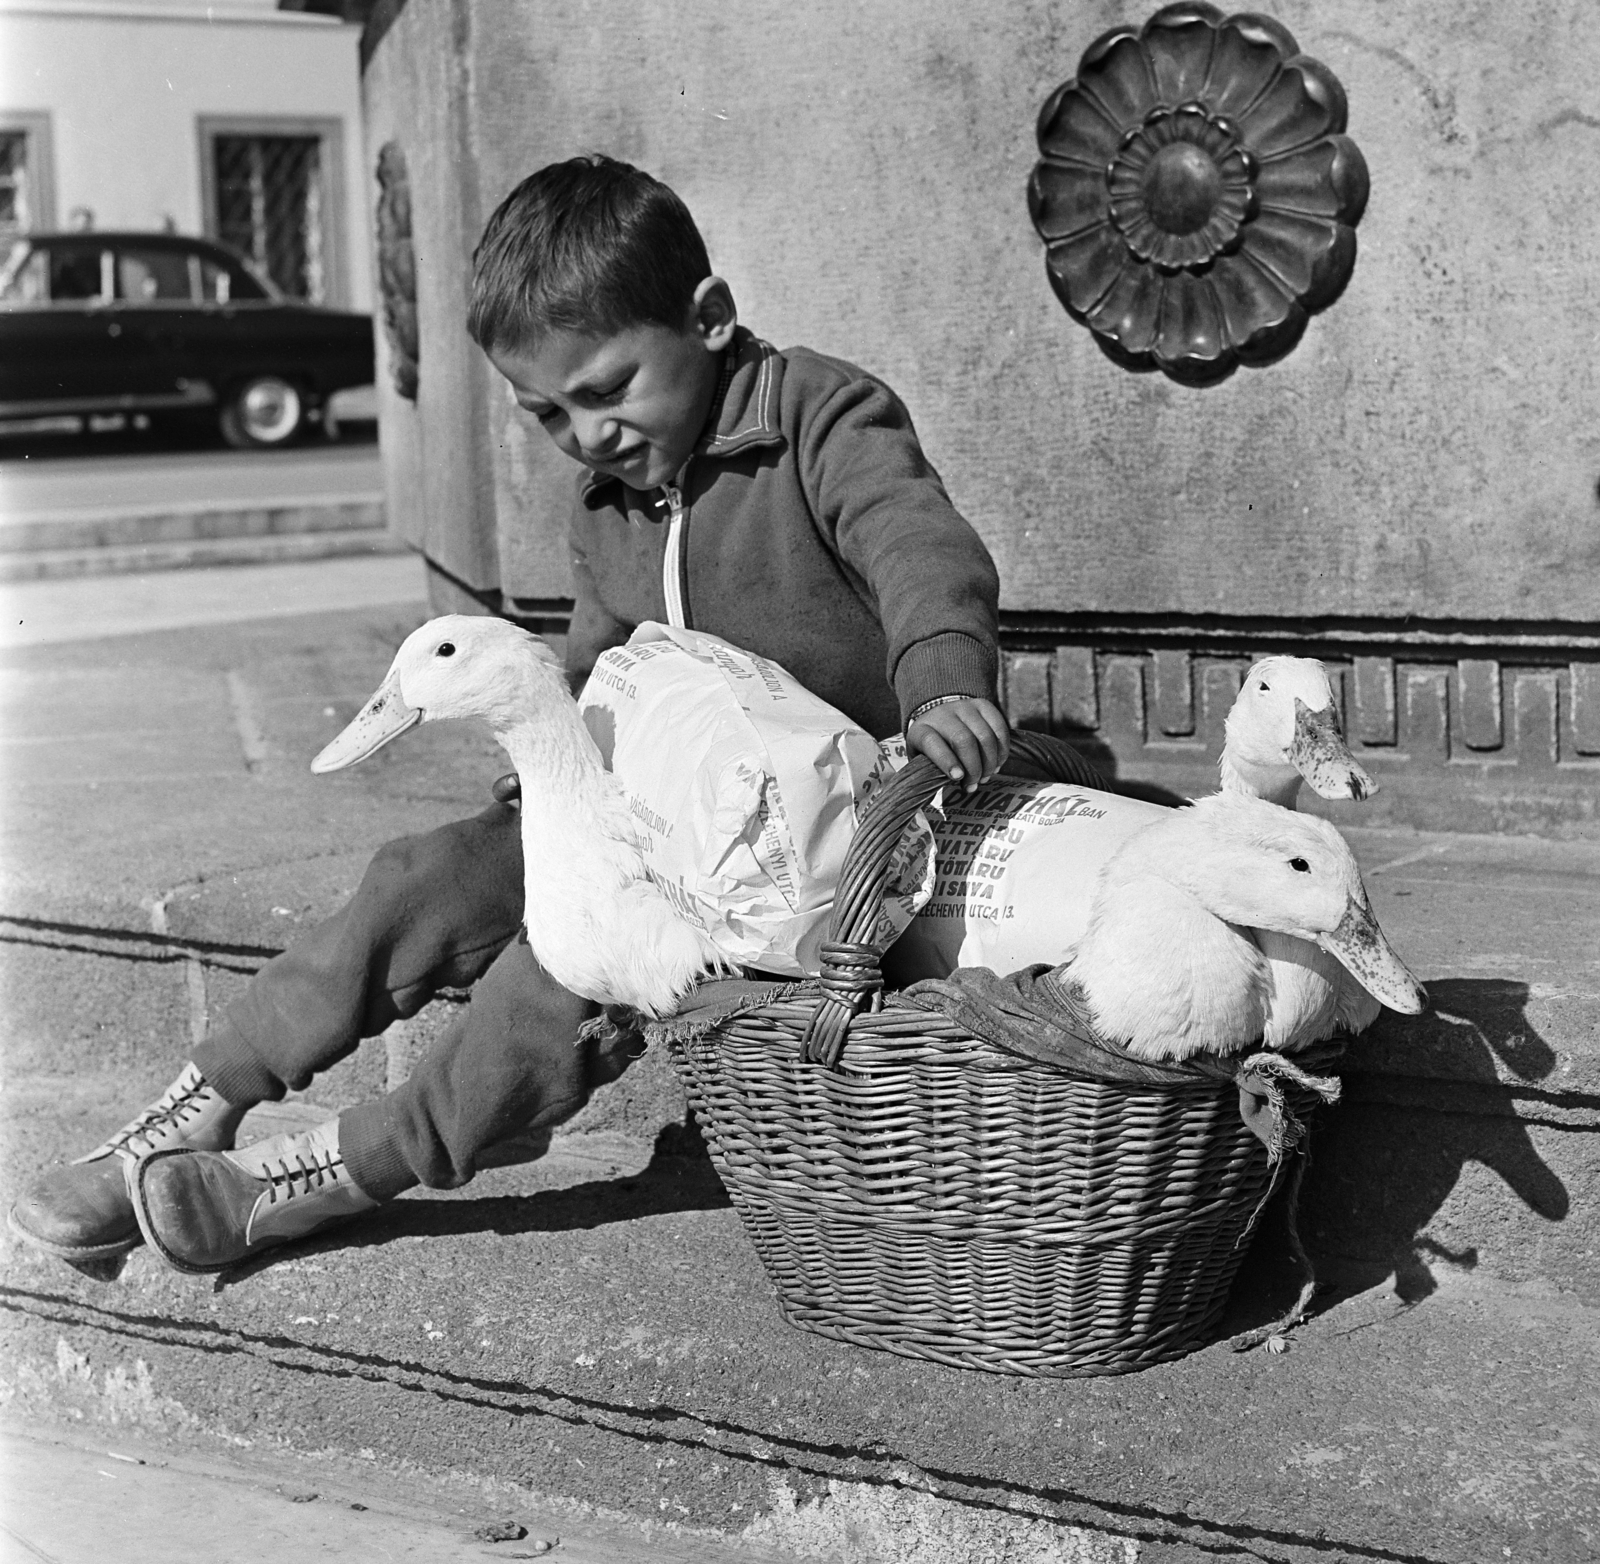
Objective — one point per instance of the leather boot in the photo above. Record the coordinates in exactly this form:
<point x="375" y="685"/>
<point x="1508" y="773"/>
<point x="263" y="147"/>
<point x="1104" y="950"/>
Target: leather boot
<point x="83" y="1211"/>
<point x="204" y="1211"/>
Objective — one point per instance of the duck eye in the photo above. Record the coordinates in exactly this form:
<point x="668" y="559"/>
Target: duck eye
<point x="1265" y="688"/>
<point x="445" y="649"/>
<point x="1300" y="866"/>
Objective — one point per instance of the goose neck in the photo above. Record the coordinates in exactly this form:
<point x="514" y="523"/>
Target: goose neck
<point x="1277" y="784"/>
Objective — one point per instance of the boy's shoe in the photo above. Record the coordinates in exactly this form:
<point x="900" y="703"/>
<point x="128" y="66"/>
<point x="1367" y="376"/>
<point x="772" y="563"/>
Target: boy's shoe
<point x="83" y="1211"/>
<point x="203" y="1211"/>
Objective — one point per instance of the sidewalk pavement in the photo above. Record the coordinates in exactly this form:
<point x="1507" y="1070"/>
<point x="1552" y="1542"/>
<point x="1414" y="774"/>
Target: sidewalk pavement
<point x="592" y="1330"/>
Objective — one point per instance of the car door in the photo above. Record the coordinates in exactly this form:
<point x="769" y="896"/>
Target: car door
<point x="228" y="334"/>
<point x="159" y="307"/>
<point x="56" y="337"/>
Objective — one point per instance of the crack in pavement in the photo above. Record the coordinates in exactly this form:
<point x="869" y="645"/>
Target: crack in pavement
<point x="666" y="1425"/>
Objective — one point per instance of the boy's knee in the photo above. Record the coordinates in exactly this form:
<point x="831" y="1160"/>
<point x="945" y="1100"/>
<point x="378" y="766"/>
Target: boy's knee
<point x="445" y="855"/>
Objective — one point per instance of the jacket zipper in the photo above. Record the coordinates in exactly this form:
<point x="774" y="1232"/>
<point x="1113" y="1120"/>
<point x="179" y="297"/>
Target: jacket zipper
<point x="672" y="560"/>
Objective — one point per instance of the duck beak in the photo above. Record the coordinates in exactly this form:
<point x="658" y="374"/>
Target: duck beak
<point x="1319" y="753"/>
<point x="1358" y="943"/>
<point x="386" y="716"/>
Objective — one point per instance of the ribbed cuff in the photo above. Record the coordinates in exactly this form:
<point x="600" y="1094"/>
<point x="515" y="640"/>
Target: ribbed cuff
<point x="371" y="1151"/>
<point x="949" y="664"/>
<point x="233" y="1071"/>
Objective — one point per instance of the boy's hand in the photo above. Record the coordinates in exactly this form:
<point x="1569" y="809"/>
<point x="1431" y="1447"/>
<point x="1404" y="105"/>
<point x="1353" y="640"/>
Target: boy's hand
<point x="967" y="739"/>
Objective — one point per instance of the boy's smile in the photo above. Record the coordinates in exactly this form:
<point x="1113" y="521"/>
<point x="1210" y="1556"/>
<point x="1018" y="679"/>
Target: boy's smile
<point x="629" y="405"/>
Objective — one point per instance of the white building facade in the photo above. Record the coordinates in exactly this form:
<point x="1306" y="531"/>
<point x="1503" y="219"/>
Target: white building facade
<point x="233" y="120"/>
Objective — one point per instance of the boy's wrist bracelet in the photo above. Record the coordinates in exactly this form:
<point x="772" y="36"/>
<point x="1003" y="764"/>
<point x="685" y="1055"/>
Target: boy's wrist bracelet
<point x="927" y="706"/>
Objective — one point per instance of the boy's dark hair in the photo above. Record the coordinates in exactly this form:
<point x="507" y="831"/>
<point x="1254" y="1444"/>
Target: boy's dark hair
<point x="589" y="245"/>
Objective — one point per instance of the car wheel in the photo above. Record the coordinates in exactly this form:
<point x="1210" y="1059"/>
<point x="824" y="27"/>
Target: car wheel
<point x="265" y="410"/>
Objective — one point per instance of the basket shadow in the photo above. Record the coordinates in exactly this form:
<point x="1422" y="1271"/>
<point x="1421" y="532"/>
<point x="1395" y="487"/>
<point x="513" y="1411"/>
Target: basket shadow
<point x="1385" y="1163"/>
<point x="679" y="1177"/>
<point x="1094" y="749"/>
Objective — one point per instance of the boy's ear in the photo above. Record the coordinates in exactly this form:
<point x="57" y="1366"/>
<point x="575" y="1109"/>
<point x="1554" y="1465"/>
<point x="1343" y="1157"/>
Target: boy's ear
<point x="715" y="314"/>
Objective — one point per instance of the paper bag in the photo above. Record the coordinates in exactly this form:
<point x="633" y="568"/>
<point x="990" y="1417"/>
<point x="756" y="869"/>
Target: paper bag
<point x="1018" y="863"/>
<point x="746" y="789"/>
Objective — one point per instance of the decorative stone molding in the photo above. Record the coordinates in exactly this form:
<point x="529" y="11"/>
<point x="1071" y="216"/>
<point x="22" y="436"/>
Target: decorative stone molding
<point x="1474" y="735"/>
<point x="1468" y="727"/>
<point x="1196" y="193"/>
<point x="397" y="269"/>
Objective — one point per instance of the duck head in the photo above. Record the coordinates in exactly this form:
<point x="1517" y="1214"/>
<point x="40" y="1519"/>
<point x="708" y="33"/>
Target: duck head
<point x="1283" y="727"/>
<point x="1257" y="865"/>
<point x="459" y="665"/>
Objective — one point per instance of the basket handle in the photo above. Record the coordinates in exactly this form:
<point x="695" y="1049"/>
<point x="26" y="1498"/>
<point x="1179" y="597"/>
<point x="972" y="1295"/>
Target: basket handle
<point x="851" y="974"/>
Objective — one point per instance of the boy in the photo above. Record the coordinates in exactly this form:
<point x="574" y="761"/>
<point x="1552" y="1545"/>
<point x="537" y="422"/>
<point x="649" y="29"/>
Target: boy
<point x="777" y="499"/>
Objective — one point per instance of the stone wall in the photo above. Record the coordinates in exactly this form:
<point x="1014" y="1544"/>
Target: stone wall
<point x="1411" y="493"/>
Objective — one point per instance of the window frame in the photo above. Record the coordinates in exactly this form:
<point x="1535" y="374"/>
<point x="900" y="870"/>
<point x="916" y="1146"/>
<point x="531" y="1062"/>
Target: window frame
<point x="34" y="125"/>
<point x="330" y="132"/>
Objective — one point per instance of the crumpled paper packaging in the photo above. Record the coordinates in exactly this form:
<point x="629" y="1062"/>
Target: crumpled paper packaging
<point x="1018" y="863"/>
<point x="746" y="789"/>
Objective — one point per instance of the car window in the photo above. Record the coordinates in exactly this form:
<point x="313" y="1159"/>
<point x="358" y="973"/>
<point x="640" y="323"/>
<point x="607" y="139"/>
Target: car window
<point x="247" y="285"/>
<point x="212" y="284"/>
<point x="75" y="274"/>
<point x="25" y="277"/>
<point x="154" y="277"/>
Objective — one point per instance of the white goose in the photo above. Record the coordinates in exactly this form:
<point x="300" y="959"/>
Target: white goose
<point x="1281" y="729"/>
<point x="1170" y="964"/>
<point x="595" y="922"/>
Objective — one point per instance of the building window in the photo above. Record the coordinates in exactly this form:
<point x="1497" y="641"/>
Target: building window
<point x="26" y="193"/>
<point x="272" y="194"/>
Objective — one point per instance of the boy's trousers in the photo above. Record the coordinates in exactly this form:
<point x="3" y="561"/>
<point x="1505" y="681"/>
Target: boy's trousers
<point x="442" y="910"/>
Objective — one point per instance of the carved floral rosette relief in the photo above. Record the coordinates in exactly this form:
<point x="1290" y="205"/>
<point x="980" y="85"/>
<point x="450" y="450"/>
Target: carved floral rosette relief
<point x="1196" y="192"/>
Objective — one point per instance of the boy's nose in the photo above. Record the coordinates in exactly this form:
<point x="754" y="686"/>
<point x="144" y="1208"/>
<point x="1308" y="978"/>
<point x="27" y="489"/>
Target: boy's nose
<point x="596" y="435"/>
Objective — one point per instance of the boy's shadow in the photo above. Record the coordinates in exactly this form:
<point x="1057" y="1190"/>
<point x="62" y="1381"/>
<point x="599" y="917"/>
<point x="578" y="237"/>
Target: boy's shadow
<point x="1382" y="1169"/>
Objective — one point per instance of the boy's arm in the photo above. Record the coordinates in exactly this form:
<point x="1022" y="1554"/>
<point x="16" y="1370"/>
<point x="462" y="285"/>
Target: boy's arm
<point x="594" y="628"/>
<point x="930" y="574"/>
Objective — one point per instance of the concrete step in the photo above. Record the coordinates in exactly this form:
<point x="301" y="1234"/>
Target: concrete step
<point x="591" y="1332"/>
<point x="126" y="526"/>
<point x="90" y="544"/>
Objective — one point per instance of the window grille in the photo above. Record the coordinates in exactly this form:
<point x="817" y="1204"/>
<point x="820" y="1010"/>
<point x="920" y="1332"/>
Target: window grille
<point x="270" y="206"/>
<point x="16" y="215"/>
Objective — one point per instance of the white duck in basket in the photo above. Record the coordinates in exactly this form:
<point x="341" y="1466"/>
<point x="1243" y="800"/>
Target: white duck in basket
<point x="594" y="921"/>
<point x="1170" y="966"/>
<point x="1282" y="728"/>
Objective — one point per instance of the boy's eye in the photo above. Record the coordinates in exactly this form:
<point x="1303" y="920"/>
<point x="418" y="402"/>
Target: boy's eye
<point x="545" y="415"/>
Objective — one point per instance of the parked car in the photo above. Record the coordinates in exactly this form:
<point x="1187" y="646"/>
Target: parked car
<point x="163" y="325"/>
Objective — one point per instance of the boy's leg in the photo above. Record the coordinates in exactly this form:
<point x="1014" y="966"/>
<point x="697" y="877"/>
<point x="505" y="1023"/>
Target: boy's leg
<point x="513" y="1060"/>
<point x="432" y="911"/>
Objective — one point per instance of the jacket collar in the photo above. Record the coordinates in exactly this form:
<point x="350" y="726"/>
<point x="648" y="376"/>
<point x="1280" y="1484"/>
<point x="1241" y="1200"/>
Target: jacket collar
<point x="744" y="413"/>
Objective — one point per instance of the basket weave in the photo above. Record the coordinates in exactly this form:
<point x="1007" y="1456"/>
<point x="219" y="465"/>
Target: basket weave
<point x="928" y="1193"/>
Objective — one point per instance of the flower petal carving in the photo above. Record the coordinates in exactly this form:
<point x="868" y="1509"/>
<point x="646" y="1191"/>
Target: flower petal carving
<point x="1130" y="314"/>
<point x="1083" y="268"/>
<point x="1121" y="83"/>
<point x="1074" y="129"/>
<point x="1197" y="193"/>
<point x="1066" y="198"/>
<point x="1327" y="179"/>
<point x="1304" y="103"/>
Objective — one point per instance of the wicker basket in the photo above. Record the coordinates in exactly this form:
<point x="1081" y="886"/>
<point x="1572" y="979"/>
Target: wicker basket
<point x="927" y="1193"/>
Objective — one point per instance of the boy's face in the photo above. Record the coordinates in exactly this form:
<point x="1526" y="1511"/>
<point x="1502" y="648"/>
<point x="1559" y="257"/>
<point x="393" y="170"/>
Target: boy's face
<point x="632" y="405"/>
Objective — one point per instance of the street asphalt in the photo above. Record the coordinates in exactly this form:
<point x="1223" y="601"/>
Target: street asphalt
<point x="589" y="1334"/>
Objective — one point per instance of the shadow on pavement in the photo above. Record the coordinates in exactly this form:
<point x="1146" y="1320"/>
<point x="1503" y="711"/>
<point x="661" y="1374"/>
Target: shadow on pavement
<point x="1382" y="1170"/>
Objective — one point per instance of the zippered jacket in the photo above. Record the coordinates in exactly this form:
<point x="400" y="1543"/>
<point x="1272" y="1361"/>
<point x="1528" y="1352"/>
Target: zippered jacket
<point x="807" y="527"/>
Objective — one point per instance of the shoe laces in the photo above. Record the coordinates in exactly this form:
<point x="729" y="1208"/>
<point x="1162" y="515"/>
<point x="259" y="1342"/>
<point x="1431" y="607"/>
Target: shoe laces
<point x="186" y="1098"/>
<point x="324" y="1168"/>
